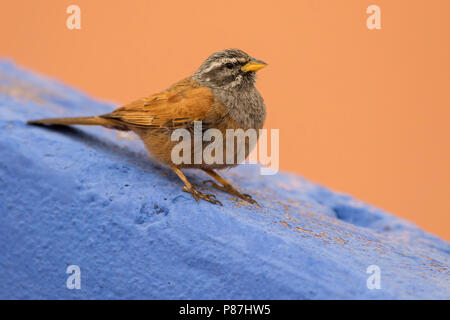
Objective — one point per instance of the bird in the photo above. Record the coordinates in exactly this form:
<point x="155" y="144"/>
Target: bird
<point x="221" y="94"/>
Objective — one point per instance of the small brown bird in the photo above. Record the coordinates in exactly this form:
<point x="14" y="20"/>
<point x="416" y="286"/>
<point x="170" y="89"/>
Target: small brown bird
<point x="221" y="94"/>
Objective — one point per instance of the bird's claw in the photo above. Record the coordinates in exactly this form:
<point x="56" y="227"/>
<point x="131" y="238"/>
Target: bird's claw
<point x="232" y="191"/>
<point x="211" y="198"/>
<point x="249" y="198"/>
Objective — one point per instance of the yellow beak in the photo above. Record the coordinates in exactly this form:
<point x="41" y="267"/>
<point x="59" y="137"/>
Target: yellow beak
<point x="254" y="66"/>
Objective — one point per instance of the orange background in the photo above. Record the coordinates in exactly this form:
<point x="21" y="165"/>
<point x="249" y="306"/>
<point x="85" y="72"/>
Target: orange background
<point x="362" y="111"/>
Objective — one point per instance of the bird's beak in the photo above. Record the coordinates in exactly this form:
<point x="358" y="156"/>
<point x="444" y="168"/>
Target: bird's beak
<point x="254" y="65"/>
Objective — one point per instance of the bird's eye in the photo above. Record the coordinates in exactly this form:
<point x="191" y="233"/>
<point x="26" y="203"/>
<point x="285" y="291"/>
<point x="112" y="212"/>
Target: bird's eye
<point x="229" y="65"/>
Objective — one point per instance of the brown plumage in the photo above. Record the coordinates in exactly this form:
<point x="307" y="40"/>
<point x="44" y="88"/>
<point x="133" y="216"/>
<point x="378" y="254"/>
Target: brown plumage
<point x="221" y="94"/>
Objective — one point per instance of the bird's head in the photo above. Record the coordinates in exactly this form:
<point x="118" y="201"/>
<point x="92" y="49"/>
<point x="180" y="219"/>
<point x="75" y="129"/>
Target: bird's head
<point x="227" y="69"/>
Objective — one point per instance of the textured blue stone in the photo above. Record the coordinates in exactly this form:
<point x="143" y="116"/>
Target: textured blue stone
<point x="91" y="197"/>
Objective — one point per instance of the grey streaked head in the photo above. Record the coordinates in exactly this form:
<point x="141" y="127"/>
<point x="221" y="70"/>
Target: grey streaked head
<point x="227" y="69"/>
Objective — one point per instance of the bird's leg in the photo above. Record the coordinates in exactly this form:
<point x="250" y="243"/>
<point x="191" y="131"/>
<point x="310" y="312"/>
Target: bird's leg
<point x="189" y="188"/>
<point x="226" y="186"/>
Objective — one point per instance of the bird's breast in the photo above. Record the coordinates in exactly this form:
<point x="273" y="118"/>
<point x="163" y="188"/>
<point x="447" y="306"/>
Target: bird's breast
<point x="246" y="108"/>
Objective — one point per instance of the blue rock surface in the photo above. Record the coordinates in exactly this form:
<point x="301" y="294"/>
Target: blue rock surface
<point x="90" y="197"/>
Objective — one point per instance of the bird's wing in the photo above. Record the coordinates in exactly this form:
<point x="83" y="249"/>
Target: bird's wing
<point x="177" y="107"/>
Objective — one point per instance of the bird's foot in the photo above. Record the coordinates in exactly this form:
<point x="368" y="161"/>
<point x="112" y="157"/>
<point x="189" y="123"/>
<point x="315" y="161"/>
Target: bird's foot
<point x="200" y="195"/>
<point x="230" y="190"/>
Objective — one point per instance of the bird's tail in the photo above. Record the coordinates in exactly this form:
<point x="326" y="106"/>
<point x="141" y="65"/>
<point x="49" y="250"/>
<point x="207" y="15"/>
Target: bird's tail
<point x="93" y="121"/>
